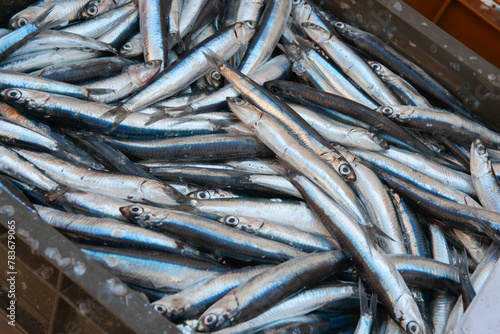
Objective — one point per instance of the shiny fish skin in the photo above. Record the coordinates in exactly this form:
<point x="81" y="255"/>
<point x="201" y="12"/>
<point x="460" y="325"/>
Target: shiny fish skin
<point x="194" y="148"/>
<point x="443" y="122"/>
<point x="273" y="285"/>
<point x="205" y="233"/>
<point x="61" y="109"/>
<point x="193" y="301"/>
<point x="484" y="179"/>
<point x="112" y="232"/>
<point x="372" y="264"/>
<point x="13" y="134"/>
<point x="16" y="166"/>
<point x="304" y="241"/>
<point x="132" y="188"/>
<point x="122" y="85"/>
<point x="132" y="48"/>
<point x="300" y="304"/>
<point x="160" y="271"/>
<point x="297" y="155"/>
<point x="191" y="66"/>
<point x="351" y="64"/>
<point x="153" y="29"/>
<point x="272" y="24"/>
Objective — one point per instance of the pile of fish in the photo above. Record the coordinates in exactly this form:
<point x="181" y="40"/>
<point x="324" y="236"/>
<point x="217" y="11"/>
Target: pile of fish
<point x="250" y="165"/>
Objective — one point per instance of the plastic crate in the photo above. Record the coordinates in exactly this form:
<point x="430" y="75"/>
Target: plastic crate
<point x="474" y="80"/>
<point x="470" y="21"/>
<point x="58" y="289"/>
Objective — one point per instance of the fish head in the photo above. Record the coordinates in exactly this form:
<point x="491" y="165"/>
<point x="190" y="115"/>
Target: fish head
<point x="136" y="214"/>
<point x="96" y="7"/>
<point x="280" y="89"/>
<point x="244" y="31"/>
<point x="130" y="49"/>
<point x="25" y="99"/>
<point x="346" y="30"/>
<point x="480" y="163"/>
<point x="245" y="111"/>
<point x="368" y="140"/>
<point x="301" y="11"/>
<point x="27" y="16"/>
<point x="140" y="74"/>
<point x="397" y="113"/>
<point x="219" y="315"/>
<point x="160" y="194"/>
<point x="378" y="68"/>
<point x="315" y="32"/>
<point x="408" y="315"/>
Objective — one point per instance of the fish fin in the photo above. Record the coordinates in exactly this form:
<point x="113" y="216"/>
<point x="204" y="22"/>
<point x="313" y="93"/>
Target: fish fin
<point x="363" y="300"/>
<point x="118" y="113"/>
<point x="57" y="22"/>
<point x="375" y="231"/>
<point x="156" y="116"/>
<point x="213" y="59"/>
<point x="53" y="195"/>
<point x="373" y="305"/>
<point x="485" y="228"/>
<point x="100" y="91"/>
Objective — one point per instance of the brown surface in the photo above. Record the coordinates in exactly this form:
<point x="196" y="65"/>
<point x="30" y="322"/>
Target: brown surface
<point x="470" y="21"/>
<point x="471" y="78"/>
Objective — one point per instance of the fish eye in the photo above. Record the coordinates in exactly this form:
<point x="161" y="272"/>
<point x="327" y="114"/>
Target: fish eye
<point x="136" y="210"/>
<point x="22" y="21"/>
<point x="127" y="46"/>
<point x="377" y="139"/>
<point x="149" y="64"/>
<point x="387" y="110"/>
<point x="296" y="2"/>
<point x="92" y="10"/>
<point x="345" y="170"/>
<point x="481" y="149"/>
<point x="238" y="101"/>
<point x="14" y="94"/>
<point x="275" y="90"/>
<point x="232" y="220"/>
<point x="160" y="308"/>
<point x="215" y="75"/>
<point x="250" y="24"/>
<point x="210" y="320"/>
<point x="203" y="194"/>
<point x="86" y="49"/>
<point x="376" y="67"/>
<point x="413" y="327"/>
<point x="339" y="25"/>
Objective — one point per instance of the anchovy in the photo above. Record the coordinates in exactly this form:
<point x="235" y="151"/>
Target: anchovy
<point x="13" y="134"/>
<point x="292" y="236"/>
<point x="268" y="288"/>
<point x="102" y="23"/>
<point x="351" y="64"/>
<point x="193" y="301"/>
<point x="206" y="233"/>
<point x="374" y="266"/>
<point x="368" y="314"/>
<point x="153" y="29"/>
<point x="127" y="187"/>
<point x="443" y="122"/>
<point x="260" y="47"/>
<point x="484" y="179"/>
<point x="160" y="271"/>
<point x="299" y="92"/>
<point x="189" y="68"/>
<point x="120" y="33"/>
<point x="300" y="304"/>
<point x="122" y="85"/>
<point x="112" y="232"/>
<point x="132" y="48"/>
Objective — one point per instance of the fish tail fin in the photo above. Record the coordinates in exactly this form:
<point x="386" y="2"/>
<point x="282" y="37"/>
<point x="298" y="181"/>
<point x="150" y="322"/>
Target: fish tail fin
<point x="118" y="113"/>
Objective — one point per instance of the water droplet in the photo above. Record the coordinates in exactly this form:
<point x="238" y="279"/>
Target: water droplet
<point x="434" y="48"/>
<point x="424" y="24"/>
<point x="45" y="272"/>
<point x="79" y="268"/>
<point x="413" y="45"/>
<point x="492" y="76"/>
<point x="52" y="253"/>
<point x="8" y="210"/>
<point x="397" y="6"/>
<point x="473" y="58"/>
<point x="455" y="66"/>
